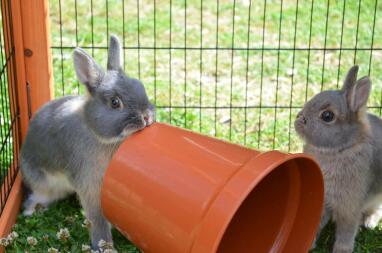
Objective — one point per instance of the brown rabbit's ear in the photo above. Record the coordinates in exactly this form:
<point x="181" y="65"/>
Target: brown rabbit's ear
<point x="359" y="95"/>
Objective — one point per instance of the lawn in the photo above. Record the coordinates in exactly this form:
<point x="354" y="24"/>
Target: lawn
<point x="44" y="226"/>
<point x="217" y="86"/>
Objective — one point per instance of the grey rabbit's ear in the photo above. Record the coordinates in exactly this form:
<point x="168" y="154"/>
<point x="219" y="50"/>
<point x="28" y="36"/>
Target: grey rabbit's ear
<point x="356" y="92"/>
<point x="357" y="99"/>
<point x="87" y="70"/>
<point x="114" y="58"/>
<point x="350" y="80"/>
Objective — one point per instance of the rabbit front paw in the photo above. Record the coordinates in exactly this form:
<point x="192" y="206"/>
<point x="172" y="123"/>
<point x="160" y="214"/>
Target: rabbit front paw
<point x="313" y="244"/>
<point x="342" y="248"/>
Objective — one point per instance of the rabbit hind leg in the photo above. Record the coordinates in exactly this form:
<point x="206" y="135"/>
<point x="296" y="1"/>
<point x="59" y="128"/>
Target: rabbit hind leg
<point x="373" y="212"/>
<point x="45" y="191"/>
<point x="372" y="217"/>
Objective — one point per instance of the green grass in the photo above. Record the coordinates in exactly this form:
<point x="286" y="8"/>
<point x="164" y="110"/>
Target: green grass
<point x="367" y="241"/>
<point x="275" y="78"/>
<point x="67" y="214"/>
<point x="44" y="226"/>
<point x="203" y="78"/>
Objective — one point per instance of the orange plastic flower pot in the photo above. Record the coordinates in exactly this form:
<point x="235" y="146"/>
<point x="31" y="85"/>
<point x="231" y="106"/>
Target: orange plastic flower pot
<point x="170" y="190"/>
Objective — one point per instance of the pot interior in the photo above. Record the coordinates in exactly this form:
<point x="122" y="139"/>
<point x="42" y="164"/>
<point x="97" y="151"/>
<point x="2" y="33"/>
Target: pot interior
<point x="265" y="218"/>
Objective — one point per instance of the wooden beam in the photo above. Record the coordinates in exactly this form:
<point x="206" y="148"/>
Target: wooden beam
<point x="11" y="209"/>
<point x="37" y="54"/>
<point x="27" y="40"/>
<point x="31" y="38"/>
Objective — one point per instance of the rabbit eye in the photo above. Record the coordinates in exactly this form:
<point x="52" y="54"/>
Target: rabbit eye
<point x="327" y="116"/>
<point x="115" y="103"/>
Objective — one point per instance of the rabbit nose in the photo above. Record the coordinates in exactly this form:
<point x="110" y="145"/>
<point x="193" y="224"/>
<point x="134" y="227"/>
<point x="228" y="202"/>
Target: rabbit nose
<point x="146" y="119"/>
<point x="301" y="117"/>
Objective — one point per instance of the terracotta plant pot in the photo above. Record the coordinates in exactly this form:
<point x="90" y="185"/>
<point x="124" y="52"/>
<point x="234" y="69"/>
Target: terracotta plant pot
<point x="170" y="190"/>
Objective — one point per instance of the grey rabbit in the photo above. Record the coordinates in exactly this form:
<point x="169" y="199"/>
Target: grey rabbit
<point x="71" y="140"/>
<point x="347" y="143"/>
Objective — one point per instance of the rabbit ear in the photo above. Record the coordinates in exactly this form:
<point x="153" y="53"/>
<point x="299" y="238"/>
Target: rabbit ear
<point x="350" y="80"/>
<point x="114" y="59"/>
<point x="359" y="95"/>
<point x="87" y="70"/>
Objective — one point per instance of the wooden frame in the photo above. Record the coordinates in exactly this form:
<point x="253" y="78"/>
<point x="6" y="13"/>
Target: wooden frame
<point x="27" y="21"/>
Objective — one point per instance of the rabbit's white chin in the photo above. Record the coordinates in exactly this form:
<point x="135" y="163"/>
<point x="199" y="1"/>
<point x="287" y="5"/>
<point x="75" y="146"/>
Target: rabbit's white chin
<point x="122" y="136"/>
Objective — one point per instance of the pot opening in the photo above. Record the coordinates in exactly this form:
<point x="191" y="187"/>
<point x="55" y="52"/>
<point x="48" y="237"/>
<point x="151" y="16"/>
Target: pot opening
<point x="264" y="220"/>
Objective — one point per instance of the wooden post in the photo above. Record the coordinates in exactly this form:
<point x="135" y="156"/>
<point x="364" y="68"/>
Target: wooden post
<point x="27" y="22"/>
<point x="30" y="23"/>
<point x="11" y="209"/>
<point x="37" y="52"/>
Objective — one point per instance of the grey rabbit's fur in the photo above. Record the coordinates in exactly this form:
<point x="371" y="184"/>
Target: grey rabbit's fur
<point x="349" y="151"/>
<point x="71" y="140"/>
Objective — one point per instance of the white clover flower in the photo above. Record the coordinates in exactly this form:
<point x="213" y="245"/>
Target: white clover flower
<point x="53" y="250"/>
<point x="105" y="245"/>
<point x="13" y="235"/>
<point x="109" y="245"/>
<point x="70" y="219"/>
<point x="94" y="251"/>
<point x="85" y="248"/>
<point x="63" y="234"/>
<point x="9" y="238"/>
<point x="110" y="251"/>
<point x="45" y="237"/>
<point x="31" y="240"/>
<point x="86" y="223"/>
<point x="4" y="242"/>
<point x="101" y="243"/>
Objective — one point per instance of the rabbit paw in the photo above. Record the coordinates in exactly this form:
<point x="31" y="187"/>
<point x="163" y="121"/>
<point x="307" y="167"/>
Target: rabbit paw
<point x="32" y="209"/>
<point x="313" y="244"/>
<point x="342" y="248"/>
<point x="28" y="212"/>
<point x="371" y="221"/>
<point x="35" y="203"/>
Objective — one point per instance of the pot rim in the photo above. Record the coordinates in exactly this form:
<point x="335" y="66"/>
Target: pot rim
<point x="268" y="161"/>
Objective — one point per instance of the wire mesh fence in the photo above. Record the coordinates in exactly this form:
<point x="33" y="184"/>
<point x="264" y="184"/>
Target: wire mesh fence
<point x="9" y="116"/>
<point x="236" y="69"/>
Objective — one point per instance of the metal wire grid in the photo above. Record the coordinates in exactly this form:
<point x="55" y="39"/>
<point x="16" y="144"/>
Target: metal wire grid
<point x="9" y="116"/>
<point x="238" y="70"/>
